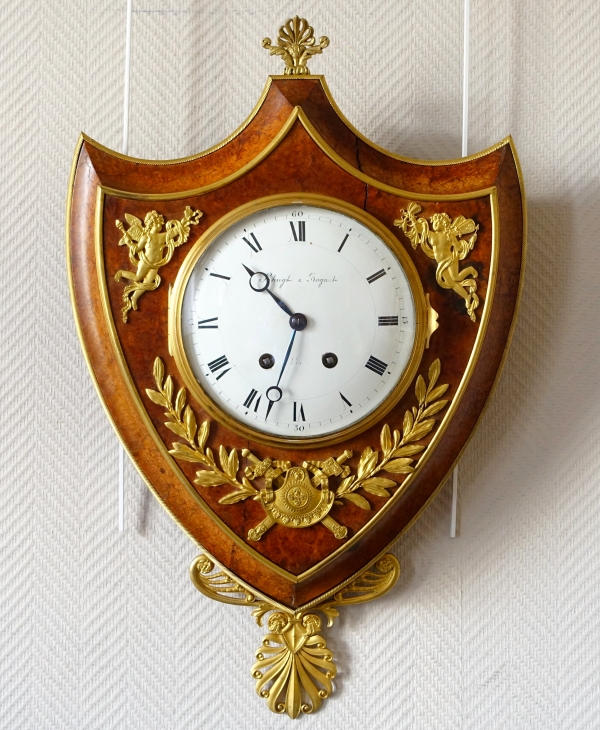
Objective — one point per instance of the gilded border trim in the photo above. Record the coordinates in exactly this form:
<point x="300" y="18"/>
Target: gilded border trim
<point x="189" y="158"/>
<point x="177" y="349"/>
<point x="456" y="399"/>
<point x="508" y="140"/>
<point x="116" y="345"/>
<point x="309" y="77"/>
<point x="401" y="158"/>
<point x="499" y="372"/>
<point x="101" y="193"/>
<point x="298" y="114"/>
<point x="223" y="182"/>
<point x="443" y="482"/>
<point x="91" y="370"/>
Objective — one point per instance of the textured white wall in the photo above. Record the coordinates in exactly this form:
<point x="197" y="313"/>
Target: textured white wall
<point x="499" y="628"/>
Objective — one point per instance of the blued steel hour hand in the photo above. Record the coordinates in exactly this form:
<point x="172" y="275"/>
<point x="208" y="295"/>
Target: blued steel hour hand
<point x="260" y="282"/>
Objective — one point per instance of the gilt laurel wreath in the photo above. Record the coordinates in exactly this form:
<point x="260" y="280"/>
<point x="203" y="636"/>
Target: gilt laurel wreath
<point x="398" y="450"/>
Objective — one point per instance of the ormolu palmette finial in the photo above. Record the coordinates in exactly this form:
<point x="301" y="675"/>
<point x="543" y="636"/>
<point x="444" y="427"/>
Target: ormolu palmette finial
<point x="296" y="44"/>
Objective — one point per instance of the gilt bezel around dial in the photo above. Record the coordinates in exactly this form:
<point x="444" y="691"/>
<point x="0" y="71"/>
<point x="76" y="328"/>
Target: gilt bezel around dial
<point x="176" y="299"/>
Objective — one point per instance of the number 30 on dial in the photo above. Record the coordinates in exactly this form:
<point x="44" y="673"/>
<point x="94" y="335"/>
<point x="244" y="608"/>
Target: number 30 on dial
<point x="297" y="319"/>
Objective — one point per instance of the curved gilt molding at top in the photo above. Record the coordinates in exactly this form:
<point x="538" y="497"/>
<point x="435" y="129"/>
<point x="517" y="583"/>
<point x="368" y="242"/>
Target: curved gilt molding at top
<point x="189" y="158"/>
<point x="506" y="141"/>
<point x="297" y="114"/>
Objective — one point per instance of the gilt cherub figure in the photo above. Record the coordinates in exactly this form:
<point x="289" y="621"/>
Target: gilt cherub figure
<point x="442" y="241"/>
<point x="150" y="248"/>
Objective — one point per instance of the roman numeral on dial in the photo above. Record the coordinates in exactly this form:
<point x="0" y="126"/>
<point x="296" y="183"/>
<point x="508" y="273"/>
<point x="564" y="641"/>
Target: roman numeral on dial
<point x="301" y="234"/>
<point x="202" y="324"/>
<point x="256" y="247"/>
<point x="217" y="364"/>
<point x="251" y="396"/>
<point x="375" y="276"/>
<point x="377" y="366"/>
<point x="387" y="321"/>
<point x="298" y="412"/>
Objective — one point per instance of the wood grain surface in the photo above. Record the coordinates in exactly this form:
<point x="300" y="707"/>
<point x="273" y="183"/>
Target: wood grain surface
<point x="297" y="164"/>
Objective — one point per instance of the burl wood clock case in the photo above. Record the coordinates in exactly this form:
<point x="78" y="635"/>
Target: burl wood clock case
<point x="294" y="334"/>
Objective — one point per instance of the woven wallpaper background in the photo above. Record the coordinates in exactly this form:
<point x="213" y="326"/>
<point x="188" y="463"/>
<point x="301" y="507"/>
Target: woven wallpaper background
<point x="497" y="629"/>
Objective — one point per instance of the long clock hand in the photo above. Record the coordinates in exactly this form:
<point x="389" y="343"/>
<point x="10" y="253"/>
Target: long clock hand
<point x="274" y="393"/>
<point x="287" y="356"/>
<point x="260" y="282"/>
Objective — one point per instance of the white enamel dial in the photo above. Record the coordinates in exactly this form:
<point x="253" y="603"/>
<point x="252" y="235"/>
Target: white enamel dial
<point x="316" y="373"/>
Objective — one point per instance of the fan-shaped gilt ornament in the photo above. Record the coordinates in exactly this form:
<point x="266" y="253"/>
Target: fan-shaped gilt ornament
<point x="299" y="379"/>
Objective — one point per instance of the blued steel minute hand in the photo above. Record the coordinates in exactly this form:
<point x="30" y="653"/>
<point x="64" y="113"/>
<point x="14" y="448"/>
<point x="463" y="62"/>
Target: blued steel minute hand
<point x="263" y="285"/>
<point x="277" y="390"/>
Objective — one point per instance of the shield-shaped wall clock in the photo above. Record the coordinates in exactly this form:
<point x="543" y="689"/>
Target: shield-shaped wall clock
<point x="294" y="334"/>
